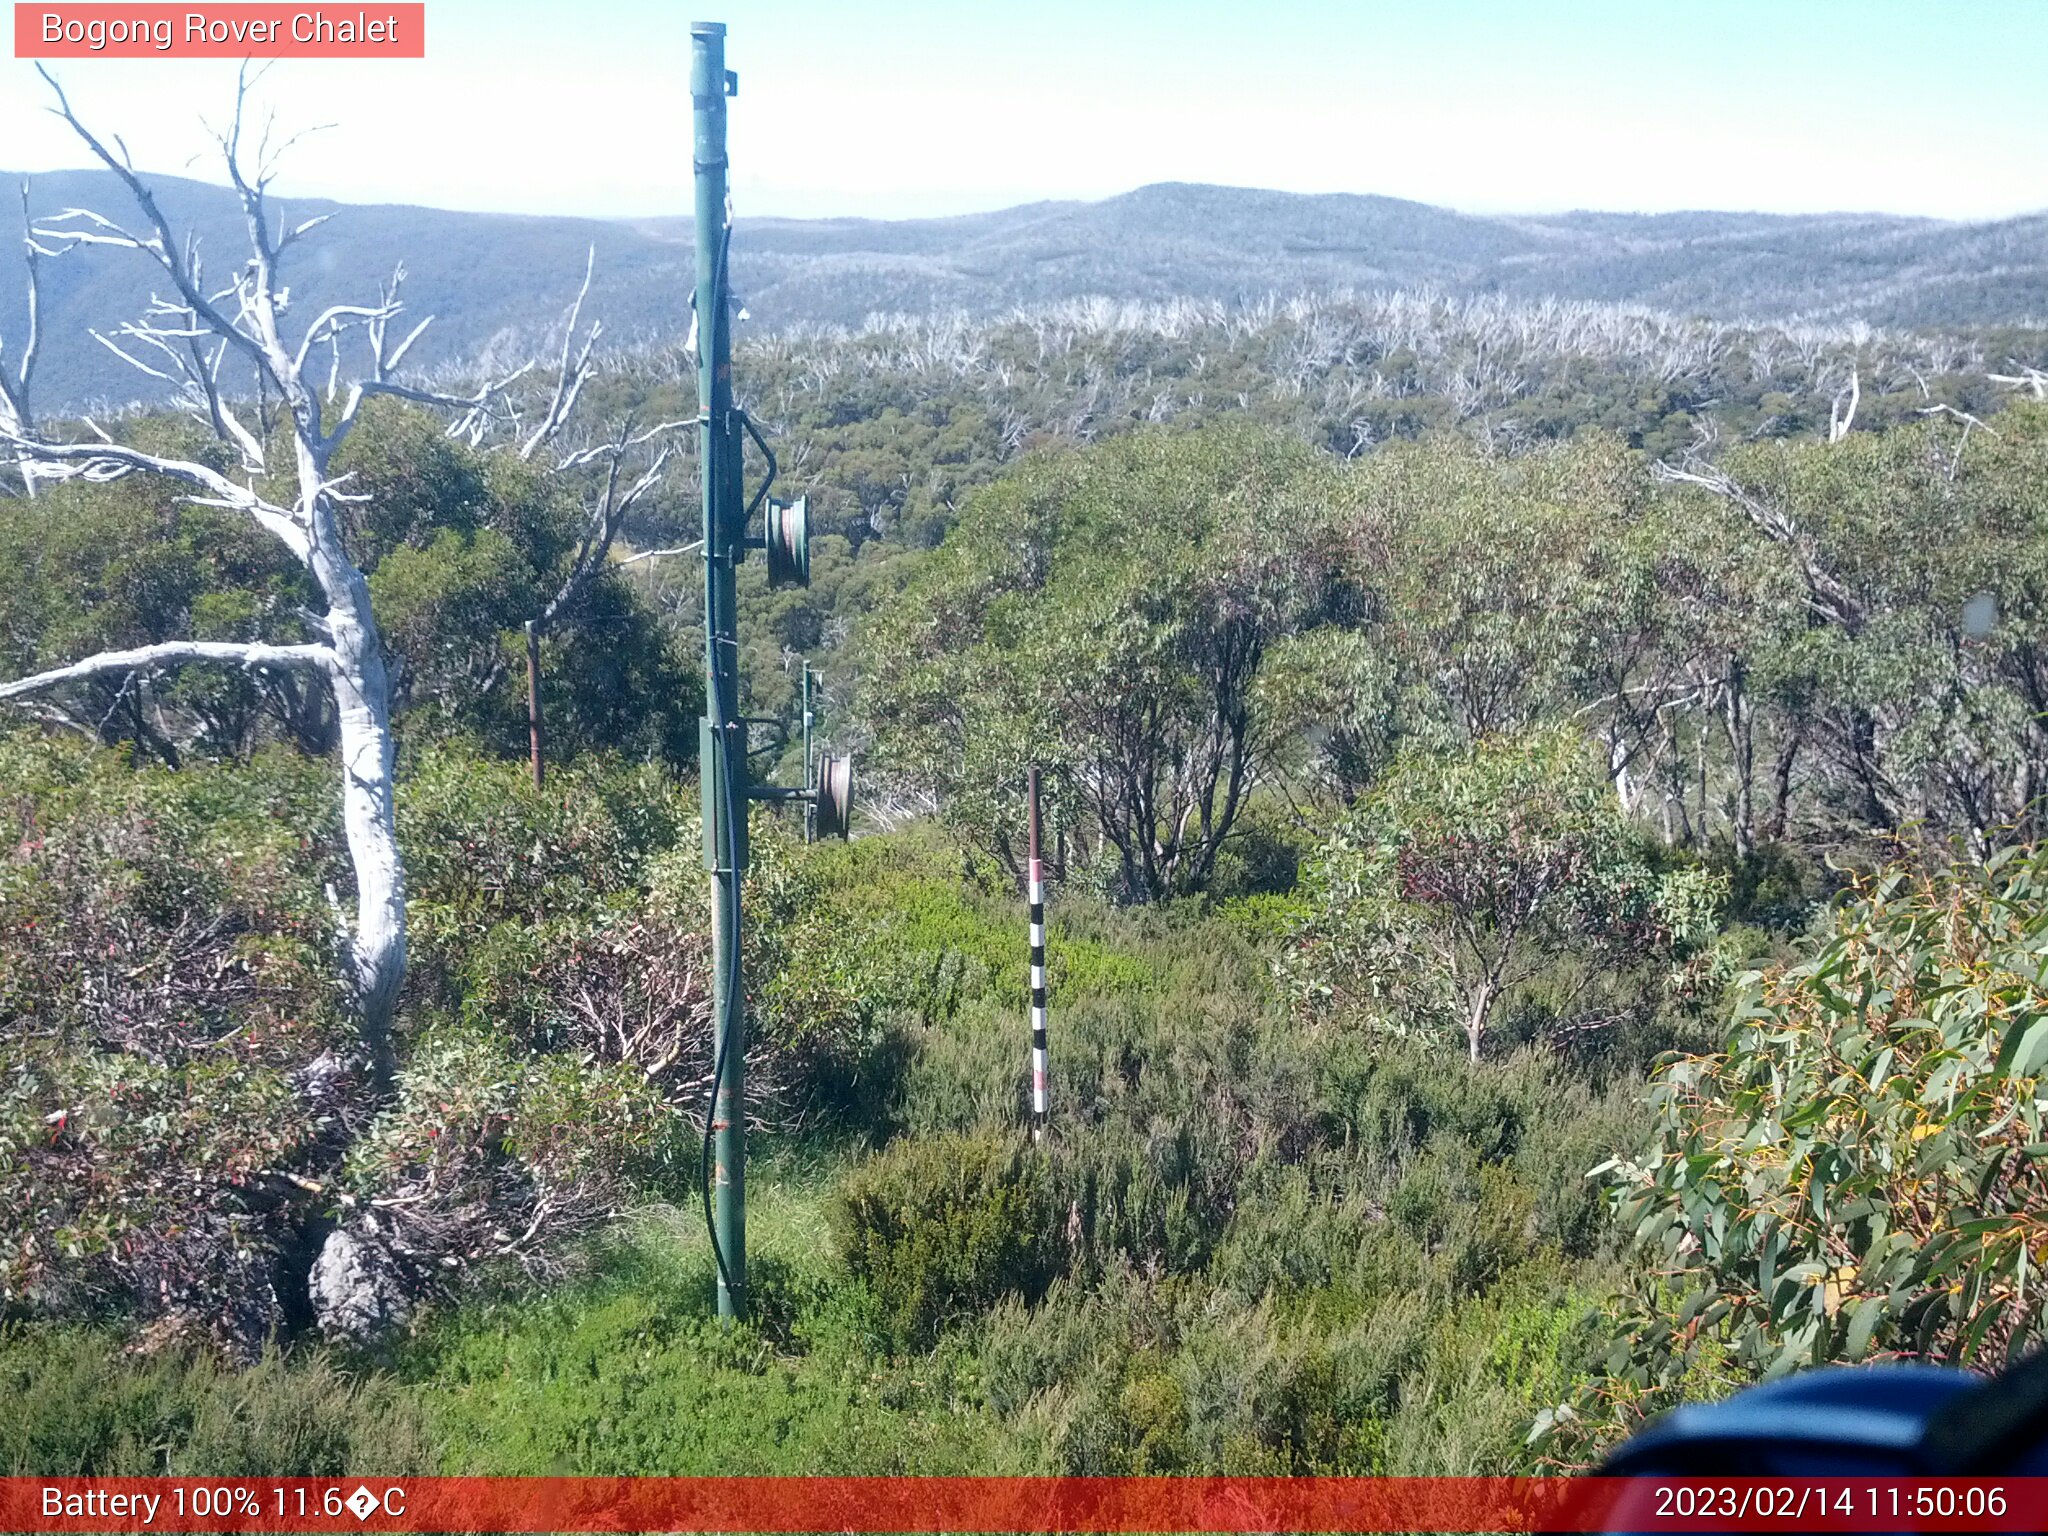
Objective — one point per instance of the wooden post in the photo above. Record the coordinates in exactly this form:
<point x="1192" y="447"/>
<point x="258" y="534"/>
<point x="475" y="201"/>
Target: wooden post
<point x="1036" y="896"/>
<point x="533" y="705"/>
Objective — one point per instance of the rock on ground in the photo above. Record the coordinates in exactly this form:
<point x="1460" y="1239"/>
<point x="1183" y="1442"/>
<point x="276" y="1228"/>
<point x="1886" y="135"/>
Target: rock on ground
<point x="358" y="1287"/>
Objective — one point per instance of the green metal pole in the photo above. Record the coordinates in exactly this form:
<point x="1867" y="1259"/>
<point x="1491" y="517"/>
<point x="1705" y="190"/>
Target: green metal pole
<point x="722" y="760"/>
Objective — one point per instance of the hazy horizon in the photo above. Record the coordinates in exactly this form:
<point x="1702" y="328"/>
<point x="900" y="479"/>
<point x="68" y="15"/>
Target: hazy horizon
<point x="315" y="195"/>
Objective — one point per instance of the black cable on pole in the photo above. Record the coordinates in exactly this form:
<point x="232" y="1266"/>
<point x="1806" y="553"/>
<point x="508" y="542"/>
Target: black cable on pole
<point x="732" y="992"/>
<point x="721" y="664"/>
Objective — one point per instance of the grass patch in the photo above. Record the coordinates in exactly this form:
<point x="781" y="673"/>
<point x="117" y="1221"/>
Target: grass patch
<point x="630" y="1373"/>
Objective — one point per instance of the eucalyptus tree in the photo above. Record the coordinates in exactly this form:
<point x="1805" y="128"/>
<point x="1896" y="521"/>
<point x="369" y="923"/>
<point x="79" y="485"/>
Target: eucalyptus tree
<point x="1465" y="876"/>
<point x="1852" y="1175"/>
<point x="1108" y="613"/>
<point x="1915" y="682"/>
<point x="1522" y="589"/>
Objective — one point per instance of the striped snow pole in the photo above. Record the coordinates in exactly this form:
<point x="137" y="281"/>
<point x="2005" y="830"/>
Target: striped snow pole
<point x="1037" y="898"/>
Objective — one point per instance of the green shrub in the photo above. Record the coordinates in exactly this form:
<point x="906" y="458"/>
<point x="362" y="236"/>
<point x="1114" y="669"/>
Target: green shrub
<point x="1462" y="881"/>
<point x="930" y="942"/>
<point x="481" y="842"/>
<point x="971" y="1074"/>
<point x="165" y="985"/>
<point x="1294" y="1231"/>
<point x="490" y="1154"/>
<point x="1151" y="1375"/>
<point x="1156" y="1196"/>
<point x="1856" y="1173"/>
<point x="817" y="999"/>
<point x="941" y="1229"/>
<point x="631" y="1386"/>
<point x="80" y="1404"/>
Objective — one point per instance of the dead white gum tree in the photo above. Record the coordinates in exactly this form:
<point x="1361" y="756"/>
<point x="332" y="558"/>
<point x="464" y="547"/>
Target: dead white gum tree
<point x="221" y="347"/>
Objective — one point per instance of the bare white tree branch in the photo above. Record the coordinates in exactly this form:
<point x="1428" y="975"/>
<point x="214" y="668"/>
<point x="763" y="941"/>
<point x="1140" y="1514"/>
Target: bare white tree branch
<point x="162" y="246"/>
<point x="173" y="653"/>
<point x="16" y="411"/>
<point x="1826" y="593"/>
<point x="569" y="377"/>
<point x="607" y="508"/>
<point x="662" y="554"/>
<point x="1842" y="410"/>
<point x="2033" y="380"/>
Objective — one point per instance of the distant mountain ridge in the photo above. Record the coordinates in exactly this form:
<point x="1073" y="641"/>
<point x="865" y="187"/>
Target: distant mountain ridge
<point x="496" y="280"/>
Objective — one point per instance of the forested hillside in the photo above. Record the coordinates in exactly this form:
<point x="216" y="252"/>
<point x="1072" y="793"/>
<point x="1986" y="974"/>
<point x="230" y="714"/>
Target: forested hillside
<point x="1543" y="812"/>
<point x="494" y="279"/>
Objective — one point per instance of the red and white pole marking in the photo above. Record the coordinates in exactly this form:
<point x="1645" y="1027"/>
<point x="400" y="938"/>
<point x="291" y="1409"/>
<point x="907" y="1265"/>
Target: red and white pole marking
<point x="1037" y="899"/>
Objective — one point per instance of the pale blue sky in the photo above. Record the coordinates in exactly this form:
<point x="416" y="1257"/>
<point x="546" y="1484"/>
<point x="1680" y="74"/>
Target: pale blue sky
<point x="887" y="108"/>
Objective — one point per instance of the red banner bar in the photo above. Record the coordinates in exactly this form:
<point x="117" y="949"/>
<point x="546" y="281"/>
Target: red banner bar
<point x="995" y="1504"/>
<point x="377" y="30"/>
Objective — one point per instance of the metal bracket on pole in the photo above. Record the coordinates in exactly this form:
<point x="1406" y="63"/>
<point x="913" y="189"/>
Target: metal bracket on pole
<point x="767" y="480"/>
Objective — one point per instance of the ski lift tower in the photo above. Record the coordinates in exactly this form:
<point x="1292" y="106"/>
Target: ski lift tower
<point x="723" y="752"/>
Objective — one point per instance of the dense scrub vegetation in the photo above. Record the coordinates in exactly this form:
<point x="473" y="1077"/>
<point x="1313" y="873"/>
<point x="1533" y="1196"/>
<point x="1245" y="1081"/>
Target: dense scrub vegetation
<point x="893" y="426"/>
<point x="1445" y="802"/>
<point x="1208" y="1249"/>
